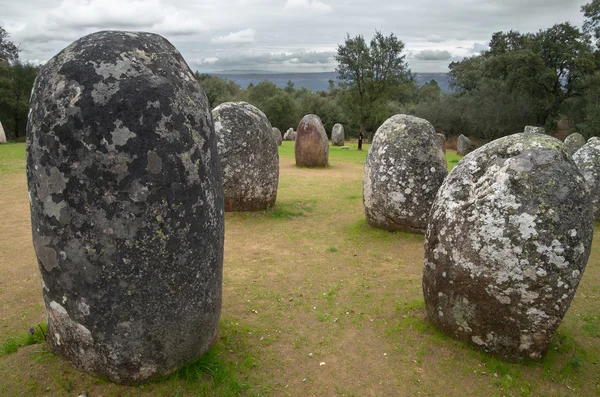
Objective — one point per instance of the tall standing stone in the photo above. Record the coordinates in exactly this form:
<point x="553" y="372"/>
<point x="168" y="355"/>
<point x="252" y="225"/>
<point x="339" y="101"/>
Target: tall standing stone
<point x="126" y="206"/>
<point x="337" y="135"/>
<point x="312" y="145"/>
<point x="574" y="142"/>
<point x="507" y="243"/>
<point x="463" y="145"/>
<point x="277" y="136"/>
<point x="588" y="160"/>
<point x="249" y="157"/>
<point x="404" y="169"/>
<point x="288" y="136"/>
<point x="441" y="140"/>
<point x="2" y="134"/>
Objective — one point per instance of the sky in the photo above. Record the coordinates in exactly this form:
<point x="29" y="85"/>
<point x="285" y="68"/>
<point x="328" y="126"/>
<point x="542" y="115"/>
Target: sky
<point x="283" y="35"/>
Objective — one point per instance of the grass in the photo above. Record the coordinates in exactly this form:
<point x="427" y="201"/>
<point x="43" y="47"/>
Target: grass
<point x="34" y="335"/>
<point x="304" y="283"/>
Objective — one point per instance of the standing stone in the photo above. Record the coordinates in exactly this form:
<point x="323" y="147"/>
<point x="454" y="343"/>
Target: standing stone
<point x="404" y="169"/>
<point x="249" y="156"/>
<point x="293" y="135"/>
<point x="463" y="145"/>
<point x="507" y="243"/>
<point x="588" y="160"/>
<point x="277" y="136"/>
<point x="312" y="145"/>
<point x="337" y="135"/>
<point x="126" y="206"/>
<point x="441" y="140"/>
<point x="2" y="134"/>
<point x="531" y="129"/>
<point x="288" y="135"/>
<point x="574" y="142"/>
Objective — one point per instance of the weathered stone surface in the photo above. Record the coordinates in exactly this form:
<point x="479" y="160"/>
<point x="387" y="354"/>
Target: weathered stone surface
<point x="293" y="135"/>
<point x="507" y="243"/>
<point x="442" y="141"/>
<point x="289" y="135"/>
<point x="531" y="129"/>
<point x="404" y="169"/>
<point x="574" y="142"/>
<point x="337" y="135"/>
<point x="463" y="145"/>
<point x="249" y="157"/>
<point x="2" y="134"/>
<point x="126" y="206"/>
<point x="277" y="136"/>
<point x="588" y="160"/>
<point x="312" y="145"/>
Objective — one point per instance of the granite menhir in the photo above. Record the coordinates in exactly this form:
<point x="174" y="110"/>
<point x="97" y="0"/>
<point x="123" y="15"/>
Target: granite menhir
<point x="126" y="206"/>
<point x="312" y="145"/>
<point x="337" y="135"/>
<point x="507" y="243"/>
<point x="277" y="136"/>
<point x="404" y="169"/>
<point x="249" y="157"/>
<point x="588" y="160"/>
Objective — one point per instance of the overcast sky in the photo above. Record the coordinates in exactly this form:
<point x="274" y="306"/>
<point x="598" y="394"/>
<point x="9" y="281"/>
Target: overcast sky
<point x="282" y="35"/>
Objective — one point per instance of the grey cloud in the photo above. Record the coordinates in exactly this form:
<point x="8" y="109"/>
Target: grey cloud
<point x="314" y="61"/>
<point x="433" y="55"/>
<point x="476" y="48"/>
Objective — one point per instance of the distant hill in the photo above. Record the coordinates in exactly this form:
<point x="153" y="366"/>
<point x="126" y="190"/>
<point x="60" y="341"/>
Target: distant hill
<point x="316" y="81"/>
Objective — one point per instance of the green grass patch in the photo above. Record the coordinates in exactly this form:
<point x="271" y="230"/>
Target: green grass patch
<point x="332" y="249"/>
<point x="12" y="344"/>
<point x="591" y="325"/>
<point x="452" y="159"/>
<point x="291" y="209"/>
<point x="12" y="158"/>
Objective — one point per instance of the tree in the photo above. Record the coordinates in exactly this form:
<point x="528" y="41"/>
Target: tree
<point x="370" y="73"/>
<point x="8" y="51"/>
<point x="16" y="82"/>
<point x="217" y="90"/>
<point x="591" y="11"/>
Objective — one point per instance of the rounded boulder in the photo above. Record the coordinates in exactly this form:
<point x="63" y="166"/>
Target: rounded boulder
<point x="574" y="142"/>
<point x="126" y="206"/>
<point x="312" y="146"/>
<point x="404" y="169"/>
<point x="507" y="243"/>
<point x="337" y="135"/>
<point x="588" y="160"/>
<point x="463" y="145"/>
<point x="249" y="157"/>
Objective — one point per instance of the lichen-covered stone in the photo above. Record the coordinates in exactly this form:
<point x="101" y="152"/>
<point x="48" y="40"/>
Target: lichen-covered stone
<point x="126" y="206"/>
<point x="463" y="145"/>
<point x="531" y="129"/>
<point x="574" y="142"/>
<point x="312" y="145"/>
<point x="289" y="135"/>
<point x="441" y="140"/>
<point x="588" y="160"/>
<point x="249" y="157"/>
<point x="337" y="135"/>
<point x="277" y="136"/>
<point x="507" y="243"/>
<point x="2" y="134"/>
<point x="404" y="169"/>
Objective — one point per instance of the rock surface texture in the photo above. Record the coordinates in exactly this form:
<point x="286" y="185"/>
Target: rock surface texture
<point x="277" y="136"/>
<point x="337" y="135"/>
<point x="312" y="145"/>
<point x="531" y="129"/>
<point x="2" y="134"/>
<point x="249" y="157"/>
<point x="574" y="142"/>
<point x="289" y="135"/>
<point x="588" y="160"/>
<point x="404" y="169"/>
<point x="442" y="141"/>
<point x="463" y="144"/>
<point x="126" y="206"/>
<point x="507" y="243"/>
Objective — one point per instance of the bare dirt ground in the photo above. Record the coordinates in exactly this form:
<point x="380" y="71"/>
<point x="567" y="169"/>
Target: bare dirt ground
<point x="315" y="303"/>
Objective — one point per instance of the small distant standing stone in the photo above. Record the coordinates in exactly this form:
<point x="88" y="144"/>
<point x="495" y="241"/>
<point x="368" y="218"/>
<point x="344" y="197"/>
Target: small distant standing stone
<point x="337" y="135"/>
<point x="463" y="145"/>
<point x="312" y="145"/>
<point x="288" y="135"/>
<point x="508" y="240"/>
<point x="531" y="129"/>
<point x="126" y="206"/>
<point x="574" y="142"/>
<point x="404" y="169"/>
<point x="277" y="135"/>
<point x="2" y="134"/>
<point x="249" y="156"/>
<point x="442" y="140"/>
<point x="588" y="160"/>
<point x="345" y="148"/>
